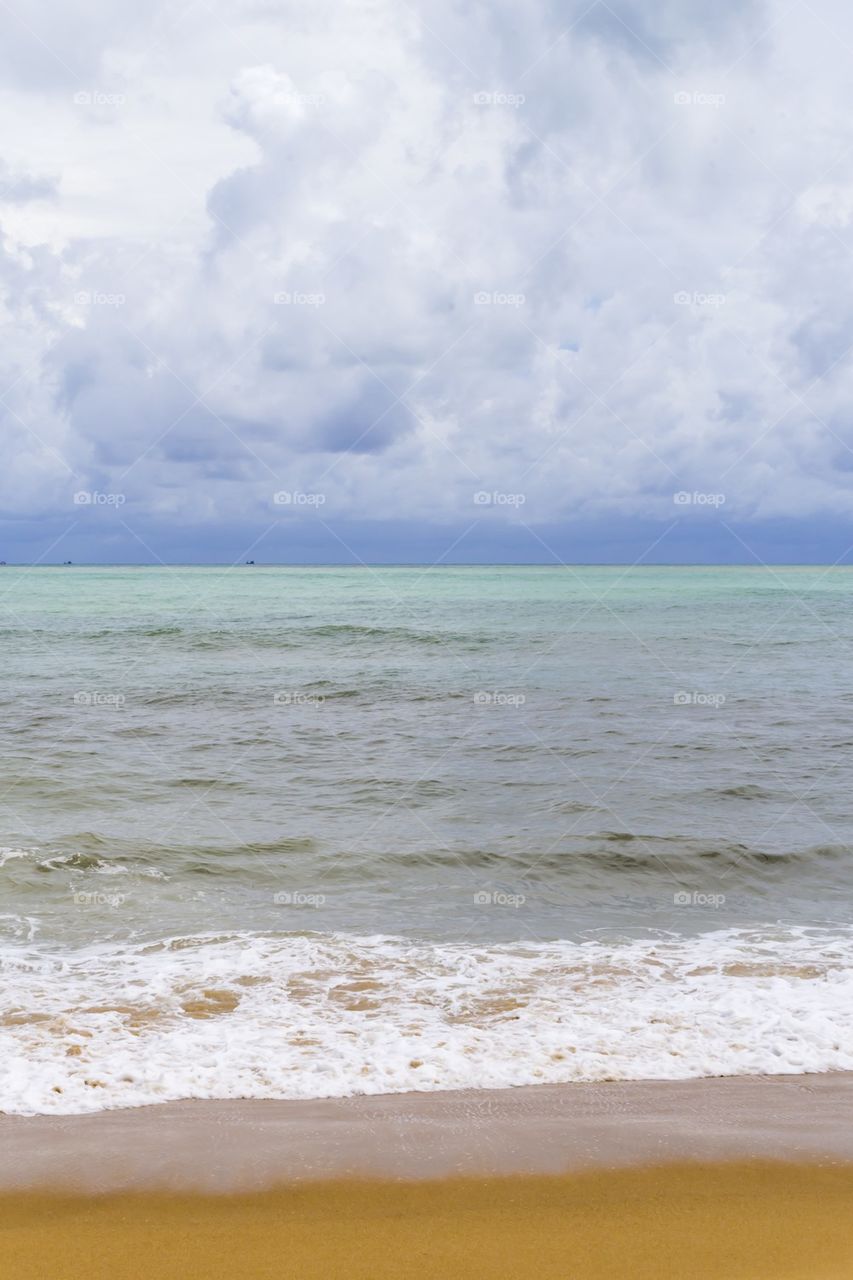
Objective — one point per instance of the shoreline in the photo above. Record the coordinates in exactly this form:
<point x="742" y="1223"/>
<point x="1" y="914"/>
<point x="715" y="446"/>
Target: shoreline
<point x="227" y="1147"/>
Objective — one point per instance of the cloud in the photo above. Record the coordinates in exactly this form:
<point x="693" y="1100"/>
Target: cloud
<point x="594" y="255"/>
<point x="18" y="188"/>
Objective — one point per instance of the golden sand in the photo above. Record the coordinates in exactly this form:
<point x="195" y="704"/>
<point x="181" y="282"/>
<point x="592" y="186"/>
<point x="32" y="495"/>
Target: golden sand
<point x="755" y="1221"/>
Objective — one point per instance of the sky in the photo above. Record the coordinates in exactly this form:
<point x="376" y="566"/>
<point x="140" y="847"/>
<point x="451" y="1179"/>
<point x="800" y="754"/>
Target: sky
<point x="395" y="281"/>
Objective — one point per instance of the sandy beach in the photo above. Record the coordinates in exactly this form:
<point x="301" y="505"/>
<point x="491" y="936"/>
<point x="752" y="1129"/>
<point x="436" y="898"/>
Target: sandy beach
<point x="732" y="1222"/>
<point x="726" y="1178"/>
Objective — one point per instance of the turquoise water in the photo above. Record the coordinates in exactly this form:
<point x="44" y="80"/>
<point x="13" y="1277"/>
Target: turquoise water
<point x="476" y="762"/>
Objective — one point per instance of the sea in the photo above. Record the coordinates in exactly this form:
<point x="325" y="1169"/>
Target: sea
<point x="291" y="832"/>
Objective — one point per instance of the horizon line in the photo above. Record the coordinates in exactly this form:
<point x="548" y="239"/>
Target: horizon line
<point x="425" y="564"/>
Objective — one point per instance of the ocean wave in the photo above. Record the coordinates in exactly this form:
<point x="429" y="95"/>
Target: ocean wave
<point x="145" y="631"/>
<point x="309" y="1015"/>
<point x="289" y="634"/>
<point x="606" y="854"/>
<point x="8" y="854"/>
<point x="90" y="853"/>
<point x="604" y="860"/>
<point x="745" y="791"/>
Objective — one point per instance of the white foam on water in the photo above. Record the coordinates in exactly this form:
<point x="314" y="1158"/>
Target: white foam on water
<point x="310" y="1016"/>
<point x="7" y="854"/>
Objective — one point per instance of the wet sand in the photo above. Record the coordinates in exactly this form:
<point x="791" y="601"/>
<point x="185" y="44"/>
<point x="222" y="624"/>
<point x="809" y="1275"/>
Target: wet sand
<point x="244" y="1145"/>
<point x="735" y="1179"/>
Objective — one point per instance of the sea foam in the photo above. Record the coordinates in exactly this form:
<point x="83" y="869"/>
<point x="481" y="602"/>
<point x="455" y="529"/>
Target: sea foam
<point x="310" y="1016"/>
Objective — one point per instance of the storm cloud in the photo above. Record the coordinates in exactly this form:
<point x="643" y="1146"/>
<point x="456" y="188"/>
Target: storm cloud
<point x="592" y="261"/>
